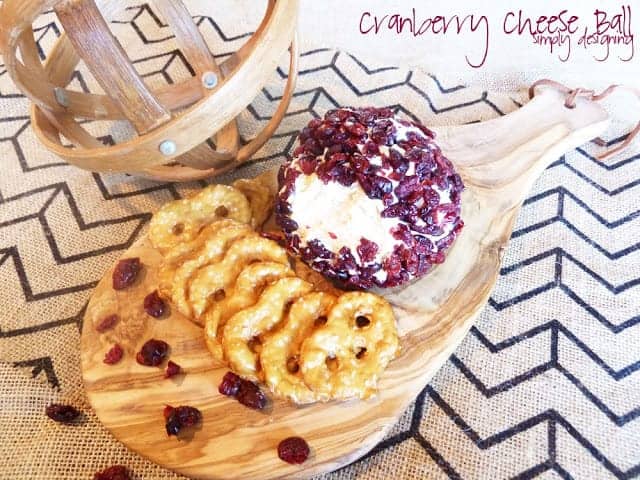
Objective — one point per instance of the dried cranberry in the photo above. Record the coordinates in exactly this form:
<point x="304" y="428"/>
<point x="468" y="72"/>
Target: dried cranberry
<point x="293" y="242"/>
<point x="437" y="258"/>
<point x="315" y="123"/>
<point x="433" y="230"/>
<point x="346" y="259"/>
<point x="357" y="129"/>
<point x="408" y="186"/>
<point x="383" y="133"/>
<point x="318" y="249"/>
<point x="172" y="426"/>
<point x="313" y="147"/>
<point x="281" y="174"/>
<point x="152" y="353"/>
<point x="344" y="175"/>
<point x="287" y="224"/>
<point x="332" y="116"/>
<point x="116" y="472"/>
<point x="246" y="392"/>
<point x="305" y="134"/>
<point x="107" y="323"/>
<point x="393" y="211"/>
<point x="456" y="181"/>
<point x="324" y="132"/>
<point x="291" y="175"/>
<point x="367" y="250"/>
<point x="360" y="163"/>
<point x="282" y="207"/>
<point x="125" y="273"/>
<point x="180" y="417"/>
<point x="230" y="384"/>
<point x="336" y="148"/>
<point x="154" y="305"/>
<point x="114" y="355"/>
<point x="422" y="244"/>
<point x="250" y="395"/>
<point x="351" y="146"/>
<point x="375" y="187"/>
<point x="431" y="198"/>
<point x="172" y="370"/>
<point x="371" y="149"/>
<point x="293" y="450"/>
<point x="307" y="164"/>
<point x="397" y="161"/>
<point x="189" y="416"/>
<point x="168" y="410"/>
<point x="402" y="232"/>
<point x="392" y="265"/>
<point x="299" y="150"/>
<point x="62" y="413"/>
<point x="426" y="131"/>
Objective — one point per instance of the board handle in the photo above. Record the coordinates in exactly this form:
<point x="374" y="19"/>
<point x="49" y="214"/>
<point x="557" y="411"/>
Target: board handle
<point x="570" y="102"/>
<point x="501" y="158"/>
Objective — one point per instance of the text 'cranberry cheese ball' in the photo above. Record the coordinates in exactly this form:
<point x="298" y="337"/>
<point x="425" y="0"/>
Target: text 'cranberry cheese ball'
<point x="368" y="198"/>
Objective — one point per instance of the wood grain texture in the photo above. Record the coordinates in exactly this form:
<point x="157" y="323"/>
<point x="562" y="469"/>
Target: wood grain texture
<point x="193" y="45"/>
<point x="498" y="161"/>
<point x="186" y="113"/>
<point x="89" y="33"/>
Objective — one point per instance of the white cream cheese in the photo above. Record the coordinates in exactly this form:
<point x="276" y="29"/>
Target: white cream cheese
<point x="346" y="212"/>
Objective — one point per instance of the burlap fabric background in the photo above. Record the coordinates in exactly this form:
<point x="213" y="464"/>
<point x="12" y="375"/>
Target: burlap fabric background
<point x="546" y="384"/>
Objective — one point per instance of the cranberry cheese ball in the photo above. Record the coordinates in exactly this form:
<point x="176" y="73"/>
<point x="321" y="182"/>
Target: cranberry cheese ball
<point x="368" y="198"/>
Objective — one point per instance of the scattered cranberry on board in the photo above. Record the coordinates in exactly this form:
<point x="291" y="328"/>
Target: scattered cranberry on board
<point x="294" y="450"/>
<point x="152" y="353"/>
<point x="181" y="417"/>
<point x="126" y="272"/>
<point x="114" y="355"/>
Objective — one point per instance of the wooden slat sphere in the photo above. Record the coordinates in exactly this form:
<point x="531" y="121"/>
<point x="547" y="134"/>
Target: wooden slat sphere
<point x="175" y="123"/>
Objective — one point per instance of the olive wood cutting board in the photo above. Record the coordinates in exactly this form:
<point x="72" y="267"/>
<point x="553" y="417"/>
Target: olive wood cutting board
<point x="498" y="161"/>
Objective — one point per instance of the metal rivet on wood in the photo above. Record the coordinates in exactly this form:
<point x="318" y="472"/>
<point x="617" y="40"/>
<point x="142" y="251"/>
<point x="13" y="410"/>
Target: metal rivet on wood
<point x="168" y="148"/>
<point x="209" y="80"/>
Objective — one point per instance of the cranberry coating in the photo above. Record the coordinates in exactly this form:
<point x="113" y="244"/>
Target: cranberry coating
<point x="152" y="353"/>
<point x="154" y="305"/>
<point x="116" y="472"/>
<point x="62" y="413"/>
<point x="114" y="355"/>
<point x="107" y="323"/>
<point x="367" y="250"/>
<point x="180" y="417"/>
<point x="395" y="162"/>
<point x="293" y="450"/>
<point x="172" y="370"/>
<point x="125" y="273"/>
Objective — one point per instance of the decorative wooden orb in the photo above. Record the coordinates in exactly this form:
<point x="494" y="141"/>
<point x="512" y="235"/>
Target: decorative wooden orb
<point x="174" y="123"/>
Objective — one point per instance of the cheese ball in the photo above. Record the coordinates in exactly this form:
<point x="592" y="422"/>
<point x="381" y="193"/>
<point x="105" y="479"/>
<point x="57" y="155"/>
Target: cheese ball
<point x="368" y="199"/>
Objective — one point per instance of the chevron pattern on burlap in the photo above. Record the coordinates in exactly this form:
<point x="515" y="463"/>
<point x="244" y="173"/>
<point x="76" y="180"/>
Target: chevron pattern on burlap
<point x="545" y="385"/>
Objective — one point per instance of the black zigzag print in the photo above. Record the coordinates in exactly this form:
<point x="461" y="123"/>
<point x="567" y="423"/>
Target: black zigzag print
<point x="328" y="79"/>
<point x="38" y="366"/>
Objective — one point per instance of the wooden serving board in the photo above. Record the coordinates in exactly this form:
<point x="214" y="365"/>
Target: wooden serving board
<point x="498" y="160"/>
